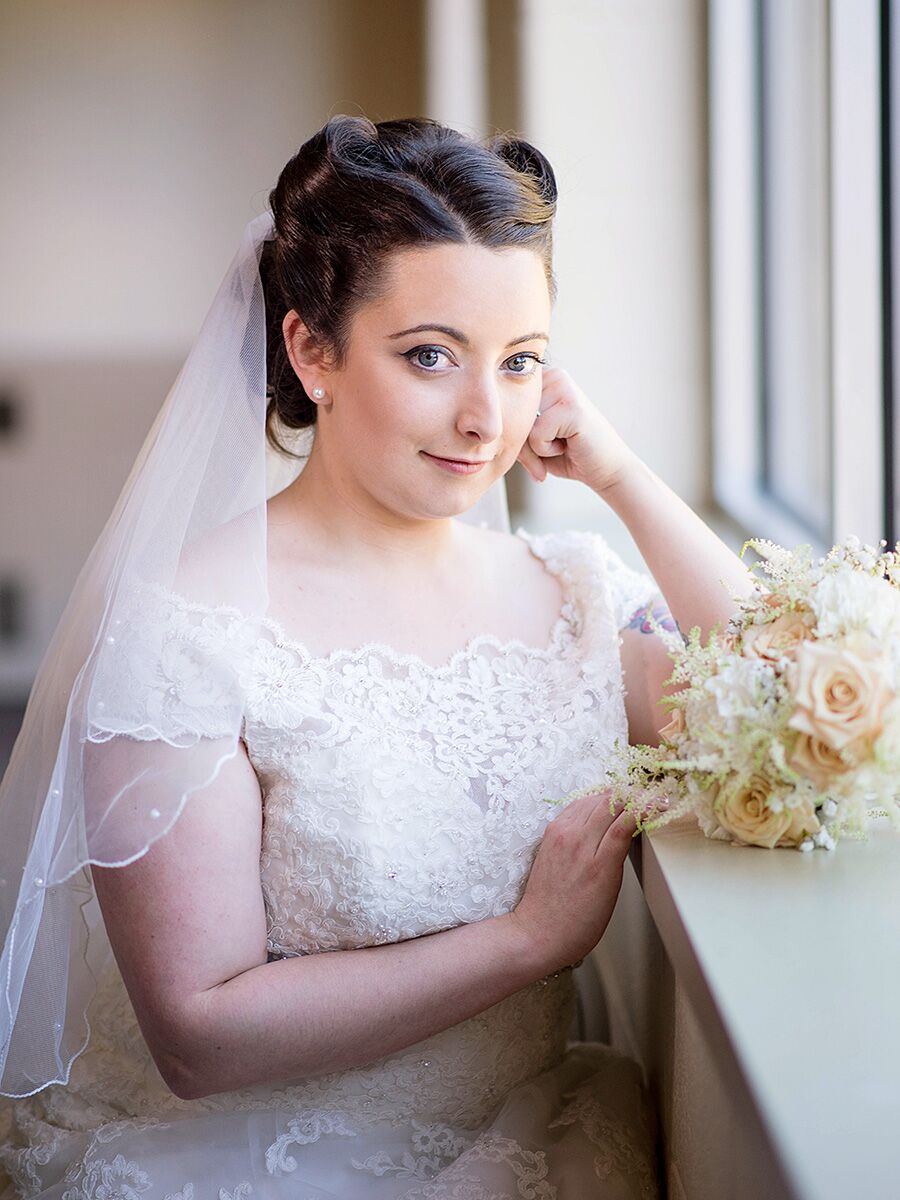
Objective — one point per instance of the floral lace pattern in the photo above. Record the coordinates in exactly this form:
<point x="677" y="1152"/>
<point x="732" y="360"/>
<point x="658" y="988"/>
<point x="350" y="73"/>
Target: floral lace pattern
<point x="433" y="1147"/>
<point x="620" y="1154"/>
<point x="400" y="799"/>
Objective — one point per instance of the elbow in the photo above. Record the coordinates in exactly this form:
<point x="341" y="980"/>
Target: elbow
<point x="182" y="1076"/>
<point x="178" y="1050"/>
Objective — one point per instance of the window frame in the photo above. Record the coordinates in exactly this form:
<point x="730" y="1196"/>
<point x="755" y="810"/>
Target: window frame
<point x="861" y="423"/>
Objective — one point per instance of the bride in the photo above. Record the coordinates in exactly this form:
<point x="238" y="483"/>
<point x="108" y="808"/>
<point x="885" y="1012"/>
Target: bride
<point x="368" y="688"/>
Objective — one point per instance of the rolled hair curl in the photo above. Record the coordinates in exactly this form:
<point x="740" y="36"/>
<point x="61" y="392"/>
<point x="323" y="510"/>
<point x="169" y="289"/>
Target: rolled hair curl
<point x="354" y="193"/>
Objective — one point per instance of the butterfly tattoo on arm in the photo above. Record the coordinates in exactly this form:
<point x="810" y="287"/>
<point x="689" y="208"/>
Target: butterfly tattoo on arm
<point x="659" y="610"/>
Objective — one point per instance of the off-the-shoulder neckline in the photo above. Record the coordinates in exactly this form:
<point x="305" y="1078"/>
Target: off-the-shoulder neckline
<point x="562" y="632"/>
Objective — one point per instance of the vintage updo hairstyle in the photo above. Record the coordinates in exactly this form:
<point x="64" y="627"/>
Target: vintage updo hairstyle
<point x="355" y="192"/>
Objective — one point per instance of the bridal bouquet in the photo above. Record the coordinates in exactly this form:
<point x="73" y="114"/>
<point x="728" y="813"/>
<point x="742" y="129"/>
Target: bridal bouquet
<point x="787" y="731"/>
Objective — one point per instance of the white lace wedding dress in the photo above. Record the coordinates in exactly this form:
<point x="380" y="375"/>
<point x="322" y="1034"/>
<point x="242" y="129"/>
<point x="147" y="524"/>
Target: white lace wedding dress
<point x="401" y="799"/>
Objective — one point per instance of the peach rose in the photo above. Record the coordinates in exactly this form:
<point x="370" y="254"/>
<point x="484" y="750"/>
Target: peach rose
<point x="817" y="760"/>
<point x="776" y="639"/>
<point x="744" y="813"/>
<point x="840" y="692"/>
<point x="674" y="726"/>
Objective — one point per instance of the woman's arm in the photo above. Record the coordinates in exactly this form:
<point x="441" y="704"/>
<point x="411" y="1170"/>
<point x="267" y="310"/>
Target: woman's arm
<point x="187" y="925"/>
<point x="690" y="564"/>
<point x="688" y="561"/>
<point x="572" y="439"/>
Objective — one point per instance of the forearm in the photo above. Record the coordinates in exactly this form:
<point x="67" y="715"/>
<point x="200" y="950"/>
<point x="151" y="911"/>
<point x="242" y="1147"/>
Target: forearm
<point x="688" y="561"/>
<point x="317" y="1013"/>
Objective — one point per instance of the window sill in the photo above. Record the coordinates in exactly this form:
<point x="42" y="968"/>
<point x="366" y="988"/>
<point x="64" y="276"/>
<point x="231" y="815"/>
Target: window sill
<point x="791" y="965"/>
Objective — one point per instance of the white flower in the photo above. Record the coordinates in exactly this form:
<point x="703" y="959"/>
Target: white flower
<point x="740" y="691"/>
<point x="823" y="838"/>
<point x="846" y="599"/>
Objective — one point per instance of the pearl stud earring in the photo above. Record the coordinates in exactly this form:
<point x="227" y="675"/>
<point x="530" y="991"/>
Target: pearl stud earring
<point x="318" y="392"/>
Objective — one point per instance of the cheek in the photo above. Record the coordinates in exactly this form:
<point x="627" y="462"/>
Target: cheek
<point x="521" y="415"/>
<point x="403" y="416"/>
<point x="387" y="409"/>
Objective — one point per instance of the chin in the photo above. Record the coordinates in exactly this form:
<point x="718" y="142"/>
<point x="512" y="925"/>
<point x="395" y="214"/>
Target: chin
<point x="440" y="503"/>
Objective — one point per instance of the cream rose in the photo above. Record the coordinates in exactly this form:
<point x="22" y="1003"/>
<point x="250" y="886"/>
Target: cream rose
<point x="776" y="639"/>
<point x="803" y="822"/>
<point x="840" y="692"/>
<point x="744" y="813"/>
<point x="817" y="760"/>
<point x="675" y="725"/>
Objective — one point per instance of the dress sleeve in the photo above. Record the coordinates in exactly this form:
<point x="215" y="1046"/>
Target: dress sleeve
<point x="607" y="588"/>
<point x="170" y="670"/>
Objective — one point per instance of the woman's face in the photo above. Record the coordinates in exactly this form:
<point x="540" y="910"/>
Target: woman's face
<point x="443" y="366"/>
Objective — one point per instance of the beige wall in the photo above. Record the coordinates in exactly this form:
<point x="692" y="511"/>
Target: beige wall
<point x="137" y="140"/>
<point x="615" y="96"/>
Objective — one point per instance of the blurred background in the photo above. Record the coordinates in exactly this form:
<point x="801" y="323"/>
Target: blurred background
<point x="723" y="242"/>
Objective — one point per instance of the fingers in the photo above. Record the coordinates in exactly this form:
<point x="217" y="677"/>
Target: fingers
<point x="547" y="439"/>
<point x="600" y="819"/>
<point x="604" y="823"/>
<point x="553" y="424"/>
<point x="619" y="835"/>
<point x="591" y="816"/>
<point x="532" y="463"/>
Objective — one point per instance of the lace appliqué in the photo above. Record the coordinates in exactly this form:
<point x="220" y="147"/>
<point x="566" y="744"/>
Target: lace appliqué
<point x="433" y="1148"/>
<point x="623" y="1151"/>
<point x="301" y="1131"/>
<point x="119" y="1179"/>
<point x="461" y="1180"/>
<point x="170" y="671"/>
<point x="43" y="1142"/>
<point x="241" y="1192"/>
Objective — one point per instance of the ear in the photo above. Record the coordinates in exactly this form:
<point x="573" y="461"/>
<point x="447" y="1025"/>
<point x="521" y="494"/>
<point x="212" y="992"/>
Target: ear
<point x="307" y="359"/>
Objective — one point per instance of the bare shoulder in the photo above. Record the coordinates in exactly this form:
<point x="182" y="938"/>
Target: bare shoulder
<point x="497" y="545"/>
<point x="511" y="561"/>
<point x="224" y="565"/>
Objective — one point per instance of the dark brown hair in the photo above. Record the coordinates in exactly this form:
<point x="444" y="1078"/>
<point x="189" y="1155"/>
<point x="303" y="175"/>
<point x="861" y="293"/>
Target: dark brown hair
<point x="357" y="191"/>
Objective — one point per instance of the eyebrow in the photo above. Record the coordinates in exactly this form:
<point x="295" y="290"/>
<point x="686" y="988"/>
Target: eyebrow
<point x="460" y="337"/>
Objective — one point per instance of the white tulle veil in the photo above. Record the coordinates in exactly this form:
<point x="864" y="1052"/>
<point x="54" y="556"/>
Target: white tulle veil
<point x="91" y="778"/>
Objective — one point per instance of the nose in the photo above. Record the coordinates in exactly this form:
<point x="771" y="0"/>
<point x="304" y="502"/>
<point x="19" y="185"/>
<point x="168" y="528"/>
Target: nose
<point x="480" y="413"/>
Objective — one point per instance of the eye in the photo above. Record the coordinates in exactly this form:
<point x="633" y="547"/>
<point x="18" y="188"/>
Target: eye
<point x="409" y="355"/>
<point x="525" y="356"/>
<point x="414" y="357"/>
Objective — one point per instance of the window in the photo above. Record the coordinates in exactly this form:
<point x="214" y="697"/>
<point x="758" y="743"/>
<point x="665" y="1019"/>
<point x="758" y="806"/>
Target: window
<point x="801" y="395"/>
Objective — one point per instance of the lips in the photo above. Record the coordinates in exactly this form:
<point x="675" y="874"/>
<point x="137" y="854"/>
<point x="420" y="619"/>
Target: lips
<point x="461" y="466"/>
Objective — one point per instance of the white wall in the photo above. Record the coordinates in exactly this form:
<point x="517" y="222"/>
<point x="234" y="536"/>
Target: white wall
<point x="614" y="95"/>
